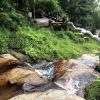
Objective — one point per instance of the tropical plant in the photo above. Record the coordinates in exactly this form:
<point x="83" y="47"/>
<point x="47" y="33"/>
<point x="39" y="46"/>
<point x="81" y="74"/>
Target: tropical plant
<point x="79" y="11"/>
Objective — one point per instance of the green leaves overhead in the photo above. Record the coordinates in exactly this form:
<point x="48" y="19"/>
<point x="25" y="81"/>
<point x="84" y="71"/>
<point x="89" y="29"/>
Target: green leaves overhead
<point x="79" y="10"/>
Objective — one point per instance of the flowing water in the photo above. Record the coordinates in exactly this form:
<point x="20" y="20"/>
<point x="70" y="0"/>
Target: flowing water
<point x="82" y="72"/>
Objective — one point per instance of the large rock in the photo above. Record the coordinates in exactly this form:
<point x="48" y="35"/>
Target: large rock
<point x="82" y="72"/>
<point x="89" y="60"/>
<point x="9" y="91"/>
<point x="51" y="94"/>
<point x="7" y="63"/>
<point x="14" y="76"/>
<point x="71" y="75"/>
<point x="11" y="69"/>
<point x="8" y="56"/>
<point x="20" y="76"/>
<point x="42" y="22"/>
<point x="18" y="55"/>
<point x="18" y="79"/>
<point x="61" y="67"/>
<point x="75" y="82"/>
<point x="54" y="70"/>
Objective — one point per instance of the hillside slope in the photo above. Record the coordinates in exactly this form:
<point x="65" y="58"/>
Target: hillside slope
<point x="43" y="43"/>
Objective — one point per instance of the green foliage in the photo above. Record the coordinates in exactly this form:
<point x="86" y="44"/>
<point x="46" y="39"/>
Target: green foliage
<point x="17" y="17"/>
<point x="11" y="20"/>
<point x="48" y="8"/>
<point x="4" y="39"/>
<point x="46" y="44"/>
<point x="97" y="68"/>
<point x="6" y="21"/>
<point x="79" y="11"/>
<point x="5" y="5"/>
<point x="96" y="19"/>
<point x="92" y="91"/>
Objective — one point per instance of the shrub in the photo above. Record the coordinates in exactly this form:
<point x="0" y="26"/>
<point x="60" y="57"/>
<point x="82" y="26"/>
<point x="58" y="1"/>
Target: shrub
<point x="97" y="68"/>
<point x="48" y="8"/>
<point x="42" y="43"/>
<point x="92" y="91"/>
<point x="11" y="20"/>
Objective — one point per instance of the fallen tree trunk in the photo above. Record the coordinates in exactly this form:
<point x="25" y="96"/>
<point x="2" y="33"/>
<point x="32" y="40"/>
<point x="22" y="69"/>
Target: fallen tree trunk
<point x="84" y="31"/>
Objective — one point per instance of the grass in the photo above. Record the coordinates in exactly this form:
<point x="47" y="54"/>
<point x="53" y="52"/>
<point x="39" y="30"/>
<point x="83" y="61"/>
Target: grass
<point x="43" y="43"/>
<point x="93" y="90"/>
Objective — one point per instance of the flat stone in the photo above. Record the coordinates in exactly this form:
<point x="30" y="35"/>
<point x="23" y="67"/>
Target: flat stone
<point x="51" y="94"/>
<point x="6" y="64"/>
<point x="8" y="56"/>
<point x="75" y="81"/>
<point x="18" y="55"/>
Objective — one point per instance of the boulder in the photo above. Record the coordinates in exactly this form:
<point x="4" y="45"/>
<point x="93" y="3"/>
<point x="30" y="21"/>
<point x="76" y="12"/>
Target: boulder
<point x="54" y="70"/>
<point x="89" y="60"/>
<point x="61" y="67"/>
<point x="51" y="94"/>
<point x="44" y="22"/>
<point x="8" y="56"/>
<point x="75" y="82"/>
<point x="72" y="75"/>
<point x="21" y="76"/>
<point x="16" y="75"/>
<point x="6" y="64"/>
<point x="9" y="91"/>
<point x="13" y="75"/>
<point x="18" y="55"/>
<point x="82" y="73"/>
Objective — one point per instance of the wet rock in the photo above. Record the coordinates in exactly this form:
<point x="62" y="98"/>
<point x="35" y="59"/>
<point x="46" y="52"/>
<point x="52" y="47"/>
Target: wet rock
<point x="18" y="55"/>
<point x="47" y="71"/>
<point x="71" y="75"/>
<point x="75" y="81"/>
<point x="54" y="70"/>
<point x="28" y="87"/>
<point x="22" y="76"/>
<point x="89" y="60"/>
<point x="13" y="75"/>
<point x="6" y="64"/>
<point x="40" y="64"/>
<point x="51" y="94"/>
<point x="61" y="67"/>
<point x="82" y="73"/>
<point x="8" y="56"/>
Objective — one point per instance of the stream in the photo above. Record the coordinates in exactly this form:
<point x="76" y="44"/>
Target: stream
<point x="70" y="75"/>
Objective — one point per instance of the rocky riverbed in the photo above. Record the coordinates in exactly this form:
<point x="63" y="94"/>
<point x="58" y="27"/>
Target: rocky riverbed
<point x="59" y="80"/>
